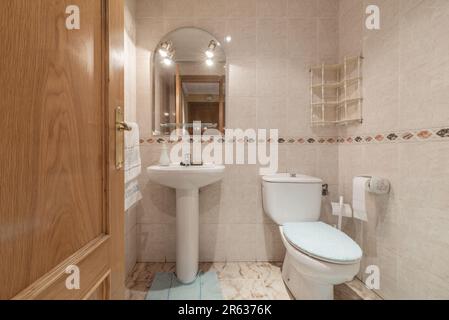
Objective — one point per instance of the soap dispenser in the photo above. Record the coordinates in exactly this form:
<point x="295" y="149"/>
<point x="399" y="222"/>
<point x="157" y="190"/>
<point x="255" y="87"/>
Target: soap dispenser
<point x="164" y="159"/>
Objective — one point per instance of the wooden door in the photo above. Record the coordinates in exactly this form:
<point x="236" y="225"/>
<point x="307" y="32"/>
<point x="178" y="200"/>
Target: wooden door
<point x="61" y="197"/>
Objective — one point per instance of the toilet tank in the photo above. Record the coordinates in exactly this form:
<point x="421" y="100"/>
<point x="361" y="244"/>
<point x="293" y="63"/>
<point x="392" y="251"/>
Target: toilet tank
<point x="288" y="198"/>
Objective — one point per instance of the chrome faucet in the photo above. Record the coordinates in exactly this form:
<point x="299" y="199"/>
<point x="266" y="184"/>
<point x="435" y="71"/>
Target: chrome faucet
<point x="187" y="160"/>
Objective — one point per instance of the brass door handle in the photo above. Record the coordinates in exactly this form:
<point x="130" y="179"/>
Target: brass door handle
<point x="123" y="126"/>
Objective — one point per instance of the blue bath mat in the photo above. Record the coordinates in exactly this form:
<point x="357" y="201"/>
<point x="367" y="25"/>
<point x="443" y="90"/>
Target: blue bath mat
<point x="166" y="286"/>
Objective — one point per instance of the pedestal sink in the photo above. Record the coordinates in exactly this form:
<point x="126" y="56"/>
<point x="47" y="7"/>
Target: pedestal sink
<point x="187" y="181"/>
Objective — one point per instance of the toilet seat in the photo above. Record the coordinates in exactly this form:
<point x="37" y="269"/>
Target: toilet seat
<point x="322" y="242"/>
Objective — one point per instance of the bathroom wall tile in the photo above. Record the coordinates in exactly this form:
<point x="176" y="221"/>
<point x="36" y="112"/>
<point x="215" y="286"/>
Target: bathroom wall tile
<point x="178" y="8"/>
<point x="302" y="8"/>
<point x="244" y="38"/>
<point x="238" y="8"/>
<point x="158" y="204"/>
<point x="271" y="8"/>
<point x="299" y="78"/>
<point x="435" y="288"/>
<point x="215" y="26"/>
<point x="403" y="69"/>
<point x="269" y="246"/>
<point x="272" y="37"/>
<point x="211" y="210"/>
<point x="211" y="251"/>
<point x="350" y="27"/>
<point x="302" y="31"/>
<point x="173" y="23"/>
<point x="348" y="5"/>
<point x="213" y="242"/>
<point x="390" y="16"/>
<point x="271" y="77"/>
<point x="130" y="219"/>
<point x="247" y="202"/>
<point x="271" y="113"/>
<point x="156" y="243"/>
<point x="327" y="165"/>
<point x="327" y="37"/>
<point x="242" y="242"/>
<point x="259" y="49"/>
<point x="327" y="8"/>
<point x="241" y="113"/>
<point x="298" y="116"/>
<point x="242" y="78"/>
<point x="149" y="8"/>
<point x="210" y="8"/>
<point x="143" y="112"/>
<point x="130" y="249"/>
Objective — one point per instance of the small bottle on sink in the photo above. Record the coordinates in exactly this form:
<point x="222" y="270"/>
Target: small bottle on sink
<point x="164" y="159"/>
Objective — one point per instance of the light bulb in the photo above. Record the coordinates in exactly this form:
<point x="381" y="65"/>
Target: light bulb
<point x="167" y="61"/>
<point x="209" y="62"/>
<point x="228" y="39"/>
<point x="210" y="54"/>
<point x="163" y="53"/>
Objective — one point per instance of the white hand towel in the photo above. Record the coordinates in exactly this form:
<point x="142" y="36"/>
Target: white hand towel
<point x="132" y="194"/>
<point x="359" y="198"/>
<point x="133" y="162"/>
<point x="133" y="166"/>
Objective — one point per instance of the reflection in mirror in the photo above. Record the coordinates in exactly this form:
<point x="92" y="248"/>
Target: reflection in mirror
<point x="189" y="82"/>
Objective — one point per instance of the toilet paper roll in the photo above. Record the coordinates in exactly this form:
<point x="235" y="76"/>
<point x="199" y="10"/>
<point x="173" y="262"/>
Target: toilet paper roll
<point x="360" y="186"/>
<point x="378" y="186"/>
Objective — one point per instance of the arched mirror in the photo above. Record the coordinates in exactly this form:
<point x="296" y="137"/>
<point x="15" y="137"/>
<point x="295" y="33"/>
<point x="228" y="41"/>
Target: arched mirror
<point x="189" y="82"/>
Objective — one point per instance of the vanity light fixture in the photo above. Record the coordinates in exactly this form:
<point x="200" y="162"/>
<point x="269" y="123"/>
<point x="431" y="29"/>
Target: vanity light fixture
<point x="165" y="49"/>
<point x="167" y="52"/>
<point x="210" y="53"/>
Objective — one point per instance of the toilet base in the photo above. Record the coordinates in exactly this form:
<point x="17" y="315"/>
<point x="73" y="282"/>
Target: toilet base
<point x="303" y="288"/>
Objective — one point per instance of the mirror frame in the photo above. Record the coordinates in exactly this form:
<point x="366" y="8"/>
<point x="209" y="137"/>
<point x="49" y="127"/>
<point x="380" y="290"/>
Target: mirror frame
<point x="224" y="85"/>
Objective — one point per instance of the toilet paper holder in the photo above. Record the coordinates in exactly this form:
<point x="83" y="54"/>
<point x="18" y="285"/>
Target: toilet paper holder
<point x="377" y="185"/>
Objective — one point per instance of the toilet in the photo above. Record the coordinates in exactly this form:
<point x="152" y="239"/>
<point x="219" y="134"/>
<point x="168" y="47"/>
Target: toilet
<point x="318" y="256"/>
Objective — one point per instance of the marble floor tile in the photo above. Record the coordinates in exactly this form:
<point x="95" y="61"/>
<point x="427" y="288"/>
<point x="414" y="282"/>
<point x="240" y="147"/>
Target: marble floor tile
<point x="240" y="281"/>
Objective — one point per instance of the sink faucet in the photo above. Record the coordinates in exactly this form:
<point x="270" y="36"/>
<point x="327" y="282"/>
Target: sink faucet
<point x="187" y="162"/>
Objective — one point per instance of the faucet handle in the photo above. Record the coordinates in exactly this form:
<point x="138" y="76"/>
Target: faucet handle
<point x="187" y="159"/>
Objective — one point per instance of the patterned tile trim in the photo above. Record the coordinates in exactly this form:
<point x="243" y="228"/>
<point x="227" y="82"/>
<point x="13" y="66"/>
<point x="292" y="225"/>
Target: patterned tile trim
<point x="441" y="134"/>
<point x="421" y="135"/>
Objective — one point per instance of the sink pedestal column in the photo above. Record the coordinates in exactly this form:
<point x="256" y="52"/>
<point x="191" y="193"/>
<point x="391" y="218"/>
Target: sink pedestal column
<point x="187" y="234"/>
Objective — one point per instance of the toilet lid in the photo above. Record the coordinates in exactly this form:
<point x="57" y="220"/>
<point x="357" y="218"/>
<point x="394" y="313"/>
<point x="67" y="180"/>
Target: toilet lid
<point x="322" y="242"/>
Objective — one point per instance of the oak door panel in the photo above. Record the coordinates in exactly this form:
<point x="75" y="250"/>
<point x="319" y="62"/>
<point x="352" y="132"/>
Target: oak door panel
<point x="54" y="175"/>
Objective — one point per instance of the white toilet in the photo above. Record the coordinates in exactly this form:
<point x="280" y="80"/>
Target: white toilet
<point x="318" y="256"/>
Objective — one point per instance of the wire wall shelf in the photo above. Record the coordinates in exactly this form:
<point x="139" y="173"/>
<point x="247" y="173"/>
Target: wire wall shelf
<point x="336" y="93"/>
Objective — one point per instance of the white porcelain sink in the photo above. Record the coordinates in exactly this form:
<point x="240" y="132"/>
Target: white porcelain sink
<point x="179" y="177"/>
<point x="187" y="181"/>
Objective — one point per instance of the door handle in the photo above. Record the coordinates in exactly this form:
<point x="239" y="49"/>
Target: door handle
<point x="123" y="126"/>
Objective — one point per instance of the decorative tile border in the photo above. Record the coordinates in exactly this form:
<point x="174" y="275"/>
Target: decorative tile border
<point x="436" y="134"/>
<point x="420" y="135"/>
